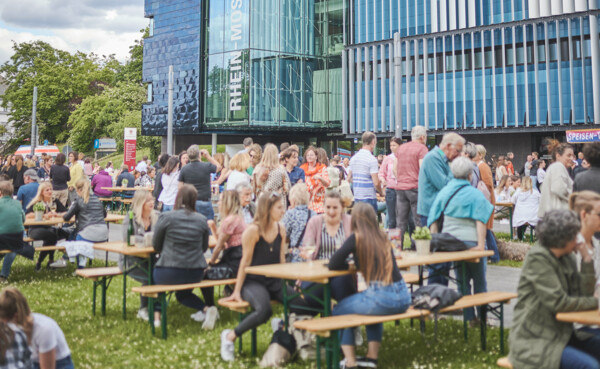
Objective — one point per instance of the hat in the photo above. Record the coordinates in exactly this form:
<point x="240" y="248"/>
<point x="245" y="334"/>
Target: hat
<point x="31" y="173"/>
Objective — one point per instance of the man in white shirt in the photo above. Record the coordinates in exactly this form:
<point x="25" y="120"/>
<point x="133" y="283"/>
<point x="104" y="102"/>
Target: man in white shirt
<point x="363" y="172"/>
<point x="142" y="166"/>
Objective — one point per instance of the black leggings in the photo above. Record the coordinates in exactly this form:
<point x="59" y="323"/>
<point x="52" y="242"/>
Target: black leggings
<point x="49" y="236"/>
<point x="259" y="297"/>
<point x="521" y="231"/>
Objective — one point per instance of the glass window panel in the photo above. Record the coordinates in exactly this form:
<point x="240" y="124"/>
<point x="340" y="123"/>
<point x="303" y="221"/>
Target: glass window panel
<point x="509" y="55"/>
<point x="478" y="59"/>
<point x="541" y="52"/>
<point x="520" y="58"/>
<point x="552" y="51"/>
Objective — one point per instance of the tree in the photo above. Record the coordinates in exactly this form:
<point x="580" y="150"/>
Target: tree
<point x="133" y="119"/>
<point x="62" y="79"/>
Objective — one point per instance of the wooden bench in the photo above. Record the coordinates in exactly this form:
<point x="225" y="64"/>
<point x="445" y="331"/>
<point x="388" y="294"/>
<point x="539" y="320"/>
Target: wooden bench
<point x="324" y="326"/>
<point x="101" y="277"/>
<point x="504" y="363"/>
<point x="38" y="249"/>
<point x="162" y="291"/>
<point x="243" y="308"/>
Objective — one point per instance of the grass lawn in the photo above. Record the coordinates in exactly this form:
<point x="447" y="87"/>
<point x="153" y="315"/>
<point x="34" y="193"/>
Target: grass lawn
<point x="110" y="342"/>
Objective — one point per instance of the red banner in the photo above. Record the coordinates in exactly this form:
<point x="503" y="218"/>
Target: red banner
<point x="129" y="146"/>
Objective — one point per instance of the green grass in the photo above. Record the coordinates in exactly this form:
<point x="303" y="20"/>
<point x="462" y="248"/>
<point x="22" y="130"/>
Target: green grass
<point x="110" y="342"/>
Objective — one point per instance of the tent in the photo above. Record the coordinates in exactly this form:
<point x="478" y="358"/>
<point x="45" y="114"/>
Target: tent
<point x="26" y="150"/>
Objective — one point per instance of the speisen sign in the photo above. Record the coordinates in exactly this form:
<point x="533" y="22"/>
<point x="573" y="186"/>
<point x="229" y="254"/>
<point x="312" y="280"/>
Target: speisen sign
<point x="583" y="135"/>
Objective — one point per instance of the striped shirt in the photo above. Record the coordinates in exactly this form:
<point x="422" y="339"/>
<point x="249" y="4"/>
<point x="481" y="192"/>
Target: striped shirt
<point x="362" y="165"/>
<point x="329" y="244"/>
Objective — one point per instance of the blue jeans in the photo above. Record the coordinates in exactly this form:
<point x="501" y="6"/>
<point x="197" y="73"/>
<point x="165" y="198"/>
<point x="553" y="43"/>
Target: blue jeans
<point x="534" y="181"/>
<point x="64" y="363"/>
<point x="377" y="299"/>
<point x="390" y="202"/>
<point x="7" y="264"/>
<point x="187" y="298"/>
<point x="474" y="272"/>
<point x="166" y="208"/>
<point x="372" y="202"/>
<point x="341" y="287"/>
<point x="205" y="208"/>
<point x="490" y="243"/>
<point x="581" y="354"/>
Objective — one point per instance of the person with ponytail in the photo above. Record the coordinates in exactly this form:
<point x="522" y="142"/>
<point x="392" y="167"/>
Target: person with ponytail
<point x="49" y="348"/>
<point x="90" y="214"/>
<point x="586" y="204"/>
<point x="558" y="184"/>
<point x="386" y="293"/>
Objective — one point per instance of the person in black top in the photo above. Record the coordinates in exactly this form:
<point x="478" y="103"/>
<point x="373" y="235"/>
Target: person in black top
<point x="197" y="174"/>
<point x="16" y="173"/>
<point x="262" y="244"/>
<point x="130" y="181"/>
<point x="50" y="235"/>
<point x="386" y="292"/>
<point x="60" y="175"/>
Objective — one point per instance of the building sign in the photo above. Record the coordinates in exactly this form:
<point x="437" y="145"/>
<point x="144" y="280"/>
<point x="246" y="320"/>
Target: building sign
<point x="583" y="136"/>
<point x="235" y="63"/>
<point x="129" y="147"/>
<point x="105" y="144"/>
<point x="343" y="153"/>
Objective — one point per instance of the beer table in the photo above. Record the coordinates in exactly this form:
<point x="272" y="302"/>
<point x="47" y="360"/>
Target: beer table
<point x="110" y="218"/>
<point x="122" y="189"/>
<point x="588" y="317"/>
<point x="506" y="206"/>
<point x="123" y="249"/>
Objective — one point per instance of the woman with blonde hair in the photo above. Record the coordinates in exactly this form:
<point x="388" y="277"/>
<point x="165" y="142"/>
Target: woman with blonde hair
<point x="586" y="204"/>
<point x="262" y="244"/>
<point x="229" y="246"/>
<point x="16" y="172"/>
<point x="317" y="179"/>
<point x="527" y="201"/>
<point x="269" y="175"/>
<point x="238" y="165"/>
<point x="143" y="217"/>
<point x="49" y="348"/>
<point x="296" y="220"/>
<point x="386" y="293"/>
<point x="48" y="234"/>
<point x="503" y="190"/>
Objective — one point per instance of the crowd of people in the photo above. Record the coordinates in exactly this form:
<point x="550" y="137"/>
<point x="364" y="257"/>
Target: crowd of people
<point x="275" y="206"/>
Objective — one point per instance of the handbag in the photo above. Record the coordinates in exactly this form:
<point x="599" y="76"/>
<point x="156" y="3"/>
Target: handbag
<point x="280" y="350"/>
<point x="444" y="241"/>
<point x="218" y="272"/>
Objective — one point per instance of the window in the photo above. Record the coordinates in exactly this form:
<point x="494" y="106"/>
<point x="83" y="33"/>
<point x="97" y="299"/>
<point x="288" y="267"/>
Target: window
<point x="488" y="58"/>
<point x="541" y="52"/>
<point x="576" y="49"/>
<point x="149" y="88"/>
<point x="151" y="26"/>
<point x="509" y="55"/>
<point x="520" y="54"/>
<point x="478" y="59"/>
<point x="449" y="63"/>
<point x="498" y="56"/>
<point x="564" y="49"/>
<point x="530" y="54"/>
<point x="552" y="51"/>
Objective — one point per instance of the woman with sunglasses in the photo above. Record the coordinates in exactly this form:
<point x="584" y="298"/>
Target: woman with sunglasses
<point x="262" y="244"/>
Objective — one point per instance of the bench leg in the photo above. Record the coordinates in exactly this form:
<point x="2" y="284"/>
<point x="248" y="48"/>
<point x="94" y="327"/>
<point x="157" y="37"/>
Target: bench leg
<point x="163" y="315"/>
<point x="124" y="288"/>
<point x="318" y="352"/>
<point x="335" y="349"/>
<point x="240" y="344"/>
<point x="253" y="342"/>
<point x="94" y="286"/>
<point x="104" y="288"/>
<point x="151" y="314"/>
<point x="501" y="328"/>
<point x="483" y="326"/>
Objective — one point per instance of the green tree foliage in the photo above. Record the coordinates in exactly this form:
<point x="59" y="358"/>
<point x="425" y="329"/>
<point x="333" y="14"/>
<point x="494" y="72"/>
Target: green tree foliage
<point x="133" y="119"/>
<point x="63" y="80"/>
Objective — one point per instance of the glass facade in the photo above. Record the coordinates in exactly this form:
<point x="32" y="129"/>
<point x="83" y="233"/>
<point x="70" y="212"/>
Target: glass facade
<point x="462" y="65"/>
<point x="273" y="63"/>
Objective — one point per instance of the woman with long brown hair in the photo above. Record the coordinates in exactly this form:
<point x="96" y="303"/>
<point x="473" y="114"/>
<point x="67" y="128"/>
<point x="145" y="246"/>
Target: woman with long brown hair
<point x="9" y="162"/>
<point x="262" y="244"/>
<point x="16" y="172"/>
<point x="386" y="293"/>
<point x="42" y="332"/>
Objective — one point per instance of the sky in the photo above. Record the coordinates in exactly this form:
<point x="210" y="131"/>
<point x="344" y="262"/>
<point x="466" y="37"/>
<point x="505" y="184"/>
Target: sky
<point x="103" y="27"/>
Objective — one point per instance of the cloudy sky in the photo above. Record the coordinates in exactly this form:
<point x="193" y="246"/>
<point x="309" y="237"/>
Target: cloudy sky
<point x="100" y="26"/>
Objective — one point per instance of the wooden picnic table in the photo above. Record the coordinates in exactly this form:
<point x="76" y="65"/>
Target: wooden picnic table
<point x="588" y="317"/>
<point x="122" y="189"/>
<point x="410" y="258"/>
<point x="510" y="206"/>
<point x="316" y="271"/>
<point x="110" y="218"/>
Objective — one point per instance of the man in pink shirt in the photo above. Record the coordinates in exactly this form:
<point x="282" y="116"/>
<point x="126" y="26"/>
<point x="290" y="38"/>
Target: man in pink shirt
<point x="388" y="180"/>
<point x="409" y="157"/>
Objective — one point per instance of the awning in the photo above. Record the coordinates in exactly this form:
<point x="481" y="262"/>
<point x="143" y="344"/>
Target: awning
<point x="26" y="150"/>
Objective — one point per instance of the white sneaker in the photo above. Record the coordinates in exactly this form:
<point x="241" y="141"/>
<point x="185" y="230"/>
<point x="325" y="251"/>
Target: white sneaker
<point x="227" y="347"/>
<point x="156" y="323"/>
<point x="211" y="316"/>
<point x="198" y="316"/>
<point x="143" y="314"/>
<point x="60" y="263"/>
<point x="276" y="323"/>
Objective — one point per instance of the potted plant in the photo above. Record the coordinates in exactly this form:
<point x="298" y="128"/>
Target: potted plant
<point x="39" y="209"/>
<point x="422" y="238"/>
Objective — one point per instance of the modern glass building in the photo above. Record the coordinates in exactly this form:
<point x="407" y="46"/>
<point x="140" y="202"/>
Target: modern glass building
<point x="331" y="69"/>
<point x="476" y="66"/>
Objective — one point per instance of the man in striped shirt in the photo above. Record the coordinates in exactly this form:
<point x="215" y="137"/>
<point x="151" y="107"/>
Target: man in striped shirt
<point x="363" y="172"/>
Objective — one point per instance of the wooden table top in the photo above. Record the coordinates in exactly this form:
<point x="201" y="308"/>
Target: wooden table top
<point x="316" y="272"/>
<point x="589" y="317"/>
<point x="507" y="204"/>
<point x="410" y="258"/>
<point x="122" y="248"/>
<point x="111" y="218"/>
<point x="121" y="189"/>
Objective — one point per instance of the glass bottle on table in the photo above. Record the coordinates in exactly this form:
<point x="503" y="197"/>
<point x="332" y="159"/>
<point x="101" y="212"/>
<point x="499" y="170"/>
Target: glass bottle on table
<point x="130" y="232"/>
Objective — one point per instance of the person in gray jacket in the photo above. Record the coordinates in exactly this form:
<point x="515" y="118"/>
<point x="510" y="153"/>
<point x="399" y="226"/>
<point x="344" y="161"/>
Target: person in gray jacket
<point x="181" y="238"/>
